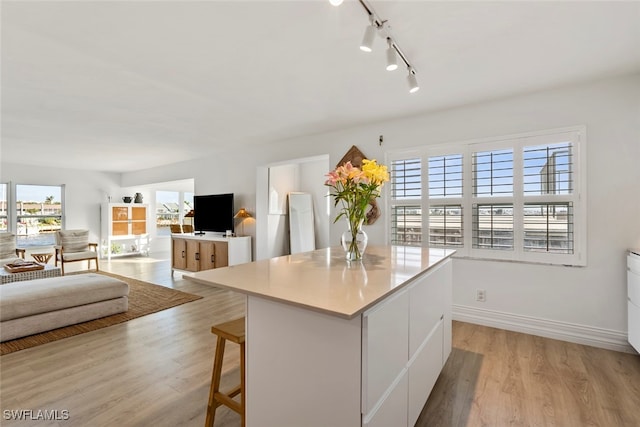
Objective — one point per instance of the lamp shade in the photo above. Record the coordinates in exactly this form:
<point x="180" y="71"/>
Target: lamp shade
<point x="413" y="82"/>
<point x="367" y="40"/>
<point x="242" y="213"/>
<point x="392" y="62"/>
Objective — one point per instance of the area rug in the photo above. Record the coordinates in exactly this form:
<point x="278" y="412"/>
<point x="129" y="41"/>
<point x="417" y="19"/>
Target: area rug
<point x="144" y="298"/>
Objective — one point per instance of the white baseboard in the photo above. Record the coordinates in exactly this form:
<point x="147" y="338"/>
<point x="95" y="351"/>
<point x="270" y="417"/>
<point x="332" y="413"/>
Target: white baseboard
<point x="579" y="334"/>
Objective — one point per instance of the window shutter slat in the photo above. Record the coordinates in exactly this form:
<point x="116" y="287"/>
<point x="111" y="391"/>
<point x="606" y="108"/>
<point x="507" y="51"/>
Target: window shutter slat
<point x="406" y="179"/>
<point x="445" y="176"/>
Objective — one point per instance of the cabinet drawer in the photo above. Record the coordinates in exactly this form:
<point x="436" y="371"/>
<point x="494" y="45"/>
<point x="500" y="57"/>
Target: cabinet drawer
<point x="393" y="411"/>
<point x="424" y="369"/>
<point x="385" y="343"/>
<point x="634" y="325"/>
<point x="426" y="306"/>
<point x="633" y="279"/>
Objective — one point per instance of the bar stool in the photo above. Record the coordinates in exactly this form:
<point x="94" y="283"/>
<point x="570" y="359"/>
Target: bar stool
<point x="234" y="332"/>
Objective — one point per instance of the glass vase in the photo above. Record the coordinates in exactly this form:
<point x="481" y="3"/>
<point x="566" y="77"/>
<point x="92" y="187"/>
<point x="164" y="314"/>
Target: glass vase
<point x="354" y="240"/>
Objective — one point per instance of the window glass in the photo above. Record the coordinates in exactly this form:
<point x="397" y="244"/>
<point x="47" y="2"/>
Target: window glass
<point x="548" y="227"/>
<point x="406" y="225"/>
<point x="445" y="225"/>
<point x="493" y="173"/>
<point x="493" y="226"/>
<point x="38" y="214"/>
<point x="4" y="203"/>
<point x="445" y="176"/>
<point x="548" y="169"/>
<point x="406" y="176"/>
<point x="172" y="208"/>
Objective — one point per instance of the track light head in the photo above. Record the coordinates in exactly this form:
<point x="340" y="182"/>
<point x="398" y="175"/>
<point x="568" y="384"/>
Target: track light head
<point x="392" y="60"/>
<point x="367" y="40"/>
<point x="336" y="2"/>
<point x="413" y="82"/>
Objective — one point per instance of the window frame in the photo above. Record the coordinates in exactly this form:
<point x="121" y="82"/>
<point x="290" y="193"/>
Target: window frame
<point x="407" y="202"/>
<point x="5" y="218"/>
<point x="12" y="211"/>
<point x="576" y="135"/>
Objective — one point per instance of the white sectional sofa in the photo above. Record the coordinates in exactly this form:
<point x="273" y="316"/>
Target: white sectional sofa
<point x="35" y="306"/>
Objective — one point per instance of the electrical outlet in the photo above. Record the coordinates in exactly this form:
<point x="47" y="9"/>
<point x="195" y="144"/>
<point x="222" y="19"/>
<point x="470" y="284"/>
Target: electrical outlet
<point x="481" y="295"/>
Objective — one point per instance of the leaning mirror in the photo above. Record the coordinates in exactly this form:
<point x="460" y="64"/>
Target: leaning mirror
<point x="301" y="229"/>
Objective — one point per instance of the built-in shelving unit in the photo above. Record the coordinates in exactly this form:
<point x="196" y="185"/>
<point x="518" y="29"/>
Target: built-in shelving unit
<point x="124" y="229"/>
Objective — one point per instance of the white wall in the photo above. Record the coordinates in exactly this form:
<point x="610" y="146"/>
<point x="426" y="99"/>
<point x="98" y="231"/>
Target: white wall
<point x="547" y="300"/>
<point x="276" y="182"/>
<point x="587" y="304"/>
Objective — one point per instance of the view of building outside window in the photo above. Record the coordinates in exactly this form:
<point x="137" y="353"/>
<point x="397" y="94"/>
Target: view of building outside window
<point x="4" y="225"/>
<point x="406" y="193"/>
<point x="171" y="208"/>
<point x="38" y="214"/>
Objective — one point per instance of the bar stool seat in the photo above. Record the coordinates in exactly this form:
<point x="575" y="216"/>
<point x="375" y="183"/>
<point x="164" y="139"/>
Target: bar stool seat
<point x="232" y="331"/>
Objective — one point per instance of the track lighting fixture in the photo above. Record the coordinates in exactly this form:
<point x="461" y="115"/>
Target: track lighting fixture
<point x="413" y="82"/>
<point x="381" y="27"/>
<point x="369" y="35"/>
<point x="392" y="61"/>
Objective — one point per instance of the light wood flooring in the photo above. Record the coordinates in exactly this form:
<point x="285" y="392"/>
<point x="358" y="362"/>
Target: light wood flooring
<point x="155" y="371"/>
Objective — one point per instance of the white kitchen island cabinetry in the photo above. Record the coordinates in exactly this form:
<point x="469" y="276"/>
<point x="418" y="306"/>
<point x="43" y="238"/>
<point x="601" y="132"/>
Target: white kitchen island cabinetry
<point x="333" y="343"/>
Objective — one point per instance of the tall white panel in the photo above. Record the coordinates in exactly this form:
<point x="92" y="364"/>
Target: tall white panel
<point x="426" y="306"/>
<point x="385" y="341"/>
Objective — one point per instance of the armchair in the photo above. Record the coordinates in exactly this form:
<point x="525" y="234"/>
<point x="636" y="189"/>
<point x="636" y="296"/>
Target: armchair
<point x="74" y="245"/>
<point x="8" y="250"/>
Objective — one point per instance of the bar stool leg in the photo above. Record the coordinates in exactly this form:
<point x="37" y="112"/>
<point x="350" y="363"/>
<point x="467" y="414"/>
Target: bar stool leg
<point x="215" y="382"/>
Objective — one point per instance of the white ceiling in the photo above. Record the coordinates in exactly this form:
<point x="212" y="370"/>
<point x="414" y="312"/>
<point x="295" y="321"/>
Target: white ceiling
<point x="122" y="85"/>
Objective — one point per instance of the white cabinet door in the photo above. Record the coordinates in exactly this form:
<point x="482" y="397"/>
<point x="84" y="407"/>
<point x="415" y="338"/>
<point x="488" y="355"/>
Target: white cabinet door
<point x="424" y="369"/>
<point x="393" y="411"/>
<point x="385" y="339"/>
<point x="447" y="281"/>
<point x="426" y="306"/>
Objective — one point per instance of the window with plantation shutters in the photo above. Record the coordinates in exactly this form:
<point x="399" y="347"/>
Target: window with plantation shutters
<point x="406" y="225"/>
<point x="493" y="173"/>
<point x="445" y="174"/>
<point x="493" y="226"/>
<point x="445" y="226"/>
<point x="406" y="190"/>
<point x="548" y="187"/>
<point x="518" y="198"/>
<point x="406" y="180"/>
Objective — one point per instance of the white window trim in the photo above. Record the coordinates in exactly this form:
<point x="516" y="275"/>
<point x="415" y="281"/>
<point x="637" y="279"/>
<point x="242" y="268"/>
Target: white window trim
<point x="517" y="142"/>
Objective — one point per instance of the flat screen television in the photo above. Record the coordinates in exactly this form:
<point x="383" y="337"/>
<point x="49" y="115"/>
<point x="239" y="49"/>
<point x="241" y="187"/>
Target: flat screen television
<point x="213" y="212"/>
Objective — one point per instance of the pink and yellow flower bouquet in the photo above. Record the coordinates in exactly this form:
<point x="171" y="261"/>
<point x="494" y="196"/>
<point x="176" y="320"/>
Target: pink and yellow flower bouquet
<point x="354" y="188"/>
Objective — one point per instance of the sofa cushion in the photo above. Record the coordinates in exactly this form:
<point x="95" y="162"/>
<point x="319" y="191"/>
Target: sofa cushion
<point x="73" y="240"/>
<point x="16" y="328"/>
<point x="7" y="246"/>
<point x="75" y="256"/>
<point x="21" y="299"/>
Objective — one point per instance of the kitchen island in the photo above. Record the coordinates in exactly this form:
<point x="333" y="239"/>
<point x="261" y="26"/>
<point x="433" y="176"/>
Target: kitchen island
<point x="337" y="343"/>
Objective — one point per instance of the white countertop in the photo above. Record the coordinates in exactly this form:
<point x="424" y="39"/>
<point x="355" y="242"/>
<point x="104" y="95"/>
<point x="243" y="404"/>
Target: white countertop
<point x="324" y="281"/>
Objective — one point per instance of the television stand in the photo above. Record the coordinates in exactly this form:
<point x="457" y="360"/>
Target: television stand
<point x="199" y="233"/>
<point x="195" y="253"/>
